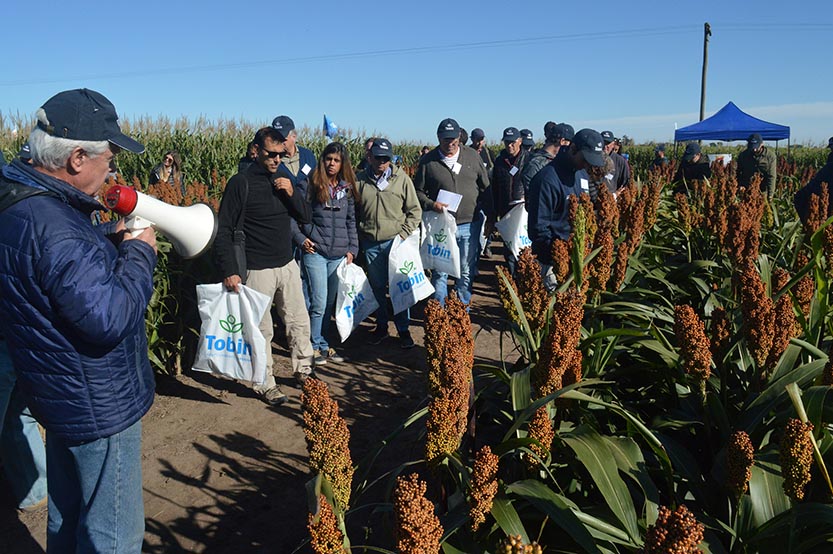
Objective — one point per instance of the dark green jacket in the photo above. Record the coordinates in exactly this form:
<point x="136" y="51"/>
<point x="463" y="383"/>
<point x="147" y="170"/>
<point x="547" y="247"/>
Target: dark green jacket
<point x="750" y="163"/>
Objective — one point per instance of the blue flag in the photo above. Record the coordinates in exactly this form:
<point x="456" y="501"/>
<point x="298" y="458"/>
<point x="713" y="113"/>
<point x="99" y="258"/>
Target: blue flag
<point x="330" y="128"/>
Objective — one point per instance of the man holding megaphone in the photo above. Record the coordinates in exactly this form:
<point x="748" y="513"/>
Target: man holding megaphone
<point x="254" y="246"/>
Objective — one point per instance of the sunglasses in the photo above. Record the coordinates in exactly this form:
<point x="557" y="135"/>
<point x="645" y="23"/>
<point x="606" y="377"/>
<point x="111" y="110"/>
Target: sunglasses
<point x="270" y="154"/>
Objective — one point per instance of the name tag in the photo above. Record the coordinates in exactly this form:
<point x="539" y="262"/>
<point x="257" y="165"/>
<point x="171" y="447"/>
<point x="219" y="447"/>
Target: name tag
<point x="455" y="168"/>
<point x="340" y="195"/>
<point x="306" y="169"/>
<point x="513" y="171"/>
<point x="585" y="185"/>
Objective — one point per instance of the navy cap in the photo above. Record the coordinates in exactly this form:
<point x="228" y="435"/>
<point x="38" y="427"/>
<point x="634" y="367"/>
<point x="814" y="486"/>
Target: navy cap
<point x="448" y="128"/>
<point x="283" y="124"/>
<point x="25" y="152"/>
<point x="754" y="141"/>
<point x="561" y="131"/>
<point x="477" y="134"/>
<point x="659" y="148"/>
<point x="528" y="139"/>
<point x="511" y="134"/>
<point x="607" y="137"/>
<point x="382" y="148"/>
<point x="591" y="145"/>
<point x="691" y="150"/>
<point x="83" y="114"/>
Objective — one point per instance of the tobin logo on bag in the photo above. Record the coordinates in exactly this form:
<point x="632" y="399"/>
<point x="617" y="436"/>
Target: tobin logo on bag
<point x="439" y="250"/>
<point x="218" y="344"/>
<point x="355" y="300"/>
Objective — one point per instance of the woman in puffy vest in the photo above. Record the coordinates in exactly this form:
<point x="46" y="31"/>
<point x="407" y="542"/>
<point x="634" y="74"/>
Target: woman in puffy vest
<point x="326" y="241"/>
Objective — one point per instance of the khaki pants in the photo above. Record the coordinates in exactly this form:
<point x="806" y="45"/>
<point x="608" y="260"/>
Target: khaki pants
<point x="283" y="284"/>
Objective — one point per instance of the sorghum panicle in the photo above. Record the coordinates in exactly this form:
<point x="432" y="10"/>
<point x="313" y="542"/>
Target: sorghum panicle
<point x="740" y="455"/>
<point x="559" y="354"/>
<point x="676" y="532"/>
<point x="325" y="536"/>
<point x="540" y="428"/>
<point x="721" y="333"/>
<point x="818" y="210"/>
<point x="805" y="288"/>
<point x="758" y="313"/>
<point x="436" y="334"/>
<point x="695" y="348"/>
<point x="418" y="530"/>
<point x="484" y="486"/>
<point x="785" y="321"/>
<point x="505" y="297"/>
<point x="796" y="457"/>
<point x="531" y="291"/>
<point x="514" y="544"/>
<point x="328" y="440"/>
<point x="561" y="263"/>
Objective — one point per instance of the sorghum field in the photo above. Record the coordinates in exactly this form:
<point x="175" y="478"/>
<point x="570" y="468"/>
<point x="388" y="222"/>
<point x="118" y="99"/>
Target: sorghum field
<point x="670" y="397"/>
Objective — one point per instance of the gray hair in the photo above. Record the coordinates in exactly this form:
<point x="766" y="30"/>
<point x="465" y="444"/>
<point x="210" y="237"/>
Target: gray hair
<point x="52" y="153"/>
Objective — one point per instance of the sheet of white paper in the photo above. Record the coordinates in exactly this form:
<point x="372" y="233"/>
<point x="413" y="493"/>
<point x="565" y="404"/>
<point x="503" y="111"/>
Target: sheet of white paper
<point x="455" y="168"/>
<point x="306" y="169"/>
<point x="513" y="170"/>
<point x="450" y="198"/>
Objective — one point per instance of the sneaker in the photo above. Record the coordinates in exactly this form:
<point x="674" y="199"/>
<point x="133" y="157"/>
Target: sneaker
<point x="273" y="396"/>
<point x="302" y="376"/>
<point x="320" y="358"/>
<point x="378" y="335"/>
<point x="333" y="356"/>
<point x="405" y="340"/>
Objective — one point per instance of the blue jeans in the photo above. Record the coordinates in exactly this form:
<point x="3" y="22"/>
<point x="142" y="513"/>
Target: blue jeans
<point x="21" y="446"/>
<point x="95" y="494"/>
<point x="376" y="255"/>
<point x="468" y="240"/>
<point x="321" y="276"/>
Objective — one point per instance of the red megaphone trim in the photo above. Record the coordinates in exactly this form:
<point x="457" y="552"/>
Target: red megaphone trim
<point x="121" y="199"/>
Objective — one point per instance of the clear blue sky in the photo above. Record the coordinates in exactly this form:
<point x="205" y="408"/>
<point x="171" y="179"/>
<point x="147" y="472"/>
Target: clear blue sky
<point x="400" y="67"/>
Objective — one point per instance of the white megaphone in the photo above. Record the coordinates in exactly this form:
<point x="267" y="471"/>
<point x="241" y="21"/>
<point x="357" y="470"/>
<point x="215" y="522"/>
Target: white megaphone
<point x="191" y="229"/>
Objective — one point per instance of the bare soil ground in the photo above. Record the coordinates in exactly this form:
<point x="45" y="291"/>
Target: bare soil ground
<point x="224" y="473"/>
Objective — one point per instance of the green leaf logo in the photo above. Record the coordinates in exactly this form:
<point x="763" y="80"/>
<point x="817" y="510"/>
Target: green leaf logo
<point x="352" y="292"/>
<point x="441" y="236"/>
<point x="407" y="267"/>
<point x="230" y="324"/>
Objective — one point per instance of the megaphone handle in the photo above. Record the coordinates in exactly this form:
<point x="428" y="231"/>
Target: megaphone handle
<point x="136" y="224"/>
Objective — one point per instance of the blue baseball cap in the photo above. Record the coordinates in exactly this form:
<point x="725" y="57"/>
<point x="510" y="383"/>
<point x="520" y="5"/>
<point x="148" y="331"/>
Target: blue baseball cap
<point x="591" y="146"/>
<point x="511" y="134"/>
<point x="283" y="124"/>
<point x="448" y="128"/>
<point x="84" y="114"/>
<point x="528" y="139"/>
<point x="382" y="148"/>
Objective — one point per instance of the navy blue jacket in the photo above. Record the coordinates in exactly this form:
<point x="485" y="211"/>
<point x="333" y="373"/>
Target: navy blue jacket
<point x="802" y="197"/>
<point x="333" y="225"/>
<point x="73" y="308"/>
<point x="508" y="189"/>
<point x="548" y="206"/>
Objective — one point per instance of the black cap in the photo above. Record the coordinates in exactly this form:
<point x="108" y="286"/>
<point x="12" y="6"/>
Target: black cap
<point x="25" y="152"/>
<point x="607" y="137"/>
<point x="691" y="150"/>
<point x="83" y="114"/>
<point x="659" y="148"/>
<point x="448" y="128"/>
<point x="511" y="134"/>
<point x="283" y="124"/>
<point x="528" y="139"/>
<point x="754" y="141"/>
<point x="591" y="145"/>
<point x="382" y="148"/>
<point x="477" y="134"/>
<point x="561" y="131"/>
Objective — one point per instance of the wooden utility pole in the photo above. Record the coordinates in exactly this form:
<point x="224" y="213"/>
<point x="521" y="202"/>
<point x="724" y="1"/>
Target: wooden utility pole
<point x="707" y="34"/>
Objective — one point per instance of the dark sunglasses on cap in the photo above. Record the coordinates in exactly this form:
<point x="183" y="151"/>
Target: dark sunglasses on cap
<point x="270" y="154"/>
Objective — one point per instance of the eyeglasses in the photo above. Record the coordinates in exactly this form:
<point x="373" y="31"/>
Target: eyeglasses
<point x="169" y="159"/>
<point x="270" y="154"/>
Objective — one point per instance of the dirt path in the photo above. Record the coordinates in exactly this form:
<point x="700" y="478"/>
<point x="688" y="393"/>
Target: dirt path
<point x="224" y="473"/>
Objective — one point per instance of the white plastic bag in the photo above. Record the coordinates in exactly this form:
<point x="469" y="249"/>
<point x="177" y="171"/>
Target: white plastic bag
<point x="406" y="278"/>
<point x="439" y="245"/>
<point x="355" y="300"/>
<point x="513" y="228"/>
<point x="230" y="341"/>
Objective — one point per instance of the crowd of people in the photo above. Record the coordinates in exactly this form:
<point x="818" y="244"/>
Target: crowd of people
<point x="73" y="351"/>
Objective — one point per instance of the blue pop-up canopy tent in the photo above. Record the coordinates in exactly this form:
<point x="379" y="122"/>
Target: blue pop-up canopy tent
<point x="731" y="123"/>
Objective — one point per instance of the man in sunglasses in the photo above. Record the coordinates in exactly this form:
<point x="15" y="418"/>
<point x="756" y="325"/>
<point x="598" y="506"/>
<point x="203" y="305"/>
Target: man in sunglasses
<point x="261" y="201"/>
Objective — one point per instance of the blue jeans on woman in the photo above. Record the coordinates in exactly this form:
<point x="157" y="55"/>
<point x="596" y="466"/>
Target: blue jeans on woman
<point x="21" y="446"/>
<point x="321" y="276"/>
<point x="468" y="240"/>
<point x="376" y="254"/>
<point x="95" y="494"/>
